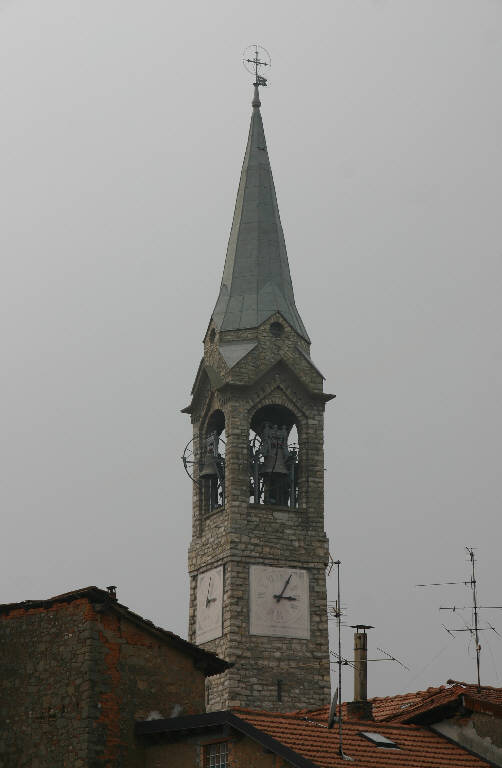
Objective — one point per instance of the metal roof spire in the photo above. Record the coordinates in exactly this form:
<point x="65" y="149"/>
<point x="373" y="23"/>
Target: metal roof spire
<point x="256" y="279"/>
<point x="256" y="103"/>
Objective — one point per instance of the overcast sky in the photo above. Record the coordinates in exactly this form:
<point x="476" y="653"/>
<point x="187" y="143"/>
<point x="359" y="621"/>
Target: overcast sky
<point x="123" y="128"/>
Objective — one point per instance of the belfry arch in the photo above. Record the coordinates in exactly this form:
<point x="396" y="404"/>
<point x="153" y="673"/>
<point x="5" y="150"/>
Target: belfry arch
<point x="212" y="462"/>
<point x="274" y="455"/>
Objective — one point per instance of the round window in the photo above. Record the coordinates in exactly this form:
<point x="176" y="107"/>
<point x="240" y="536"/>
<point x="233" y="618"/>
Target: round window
<point x="276" y="329"/>
<point x="212" y="335"/>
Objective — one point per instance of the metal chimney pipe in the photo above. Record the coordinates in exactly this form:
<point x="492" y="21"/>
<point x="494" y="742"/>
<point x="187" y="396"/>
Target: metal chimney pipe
<point x="360" y="666"/>
<point x="361" y="661"/>
<point x="360" y="708"/>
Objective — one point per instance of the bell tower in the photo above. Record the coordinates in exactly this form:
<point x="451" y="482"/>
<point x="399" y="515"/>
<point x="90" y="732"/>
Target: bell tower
<point x="258" y="553"/>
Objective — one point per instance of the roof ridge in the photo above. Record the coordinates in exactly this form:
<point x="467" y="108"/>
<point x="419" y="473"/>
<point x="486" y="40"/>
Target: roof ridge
<point x="266" y="712"/>
<point x="429" y="703"/>
<point x="473" y="685"/>
<point x="302" y="718"/>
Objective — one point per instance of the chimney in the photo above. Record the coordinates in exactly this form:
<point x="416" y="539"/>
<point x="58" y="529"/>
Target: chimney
<point x="360" y="708"/>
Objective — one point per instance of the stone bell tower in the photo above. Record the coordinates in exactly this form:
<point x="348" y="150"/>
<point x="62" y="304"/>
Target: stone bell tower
<point x="258" y="554"/>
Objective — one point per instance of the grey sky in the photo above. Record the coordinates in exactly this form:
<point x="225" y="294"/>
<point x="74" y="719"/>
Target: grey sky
<point x="123" y="129"/>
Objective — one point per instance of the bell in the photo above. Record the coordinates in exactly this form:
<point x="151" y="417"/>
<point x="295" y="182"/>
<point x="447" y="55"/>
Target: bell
<point x="209" y="470"/>
<point x="274" y="464"/>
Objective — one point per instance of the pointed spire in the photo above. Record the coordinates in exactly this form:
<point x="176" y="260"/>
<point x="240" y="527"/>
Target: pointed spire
<point x="256" y="280"/>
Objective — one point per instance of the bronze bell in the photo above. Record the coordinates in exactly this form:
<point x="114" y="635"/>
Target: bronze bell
<point x="209" y="470"/>
<point x="274" y="464"/>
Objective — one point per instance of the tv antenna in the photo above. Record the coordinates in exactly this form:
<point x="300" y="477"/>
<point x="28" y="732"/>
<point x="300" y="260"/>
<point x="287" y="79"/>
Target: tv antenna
<point x="474" y="628"/>
<point x="389" y="657"/>
<point x="255" y="59"/>
<point x="338" y="693"/>
<point x="352" y="662"/>
<point x="332" y="710"/>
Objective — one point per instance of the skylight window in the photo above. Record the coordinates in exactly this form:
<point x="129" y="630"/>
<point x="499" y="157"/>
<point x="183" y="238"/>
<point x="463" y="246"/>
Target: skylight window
<point x="379" y="740"/>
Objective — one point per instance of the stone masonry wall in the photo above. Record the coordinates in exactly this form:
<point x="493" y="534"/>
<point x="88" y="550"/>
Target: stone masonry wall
<point x="480" y="732"/>
<point x="137" y="676"/>
<point x="276" y="371"/>
<point x="188" y="753"/>
<point x="75" y="676"/>
<point x="45" y="687"/>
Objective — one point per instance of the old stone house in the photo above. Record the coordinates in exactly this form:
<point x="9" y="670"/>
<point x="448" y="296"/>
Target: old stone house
<point x="466" y="714"/>
<point x="78" y="669"/>
<point x="243" y="738"/>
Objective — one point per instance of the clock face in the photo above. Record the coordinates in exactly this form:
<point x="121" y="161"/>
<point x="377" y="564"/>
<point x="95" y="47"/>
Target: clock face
<point x="279" y="602"/>
<point x="209" y="605"/>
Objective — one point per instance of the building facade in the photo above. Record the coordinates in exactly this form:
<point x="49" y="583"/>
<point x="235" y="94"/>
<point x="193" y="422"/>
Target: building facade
<point x="248" y="739"/>
<point x="258" y="553"/>
<point x="78" y="669"/>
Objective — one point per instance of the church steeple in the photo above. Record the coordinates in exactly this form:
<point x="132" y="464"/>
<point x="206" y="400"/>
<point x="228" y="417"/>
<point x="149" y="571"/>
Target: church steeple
<point x="256" y="279"/>
<point x="258" y="553"/>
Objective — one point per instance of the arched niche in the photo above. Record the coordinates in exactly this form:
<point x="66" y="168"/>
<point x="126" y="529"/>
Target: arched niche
<point x="273" y="456"/>
<point x="212" y="462"/>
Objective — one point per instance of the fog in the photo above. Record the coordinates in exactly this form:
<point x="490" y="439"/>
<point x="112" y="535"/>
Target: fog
<point x="122" y="135"/>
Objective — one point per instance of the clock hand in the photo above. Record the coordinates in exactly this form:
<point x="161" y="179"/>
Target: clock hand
<point x="280" y="596"/>
<point x="208" y="588"/>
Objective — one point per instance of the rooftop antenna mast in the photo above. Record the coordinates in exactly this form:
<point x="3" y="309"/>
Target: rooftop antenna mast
<point x="475" y="611"/>
<point x="340" y="661"/>
<point x="475" y="629"/>
<point x="339" y="629"/>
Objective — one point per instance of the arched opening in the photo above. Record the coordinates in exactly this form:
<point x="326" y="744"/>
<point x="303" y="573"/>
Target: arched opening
<point x="212" y="463"/>
<point x="273" y="457"/>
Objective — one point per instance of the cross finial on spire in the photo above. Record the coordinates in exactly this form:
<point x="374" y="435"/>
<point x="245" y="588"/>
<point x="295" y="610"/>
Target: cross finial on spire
<point x="255" y="58"/>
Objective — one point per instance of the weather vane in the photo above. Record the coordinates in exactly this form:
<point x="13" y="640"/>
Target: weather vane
<point x="255" y="59"/>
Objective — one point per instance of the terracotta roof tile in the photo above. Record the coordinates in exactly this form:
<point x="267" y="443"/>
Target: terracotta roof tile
<point x="417" y="747"/>
<point x="383" y="707"/>
<point x="402" y="707"/>
<point x="444" y="695"/>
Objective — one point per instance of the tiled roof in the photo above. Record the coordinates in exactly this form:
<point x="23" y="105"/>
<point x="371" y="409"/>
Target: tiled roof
<point x="383" y="707"/>
<point x="417" y="747"/>
<point x="402" y="707"/>
<point x="448" y="694"/>
<point x="487" y="692"/>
